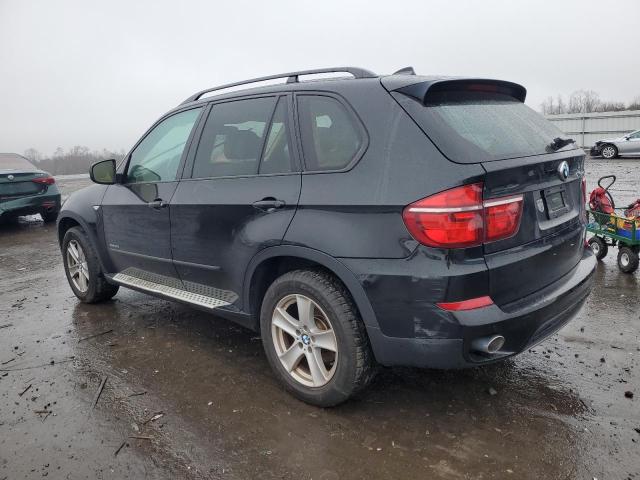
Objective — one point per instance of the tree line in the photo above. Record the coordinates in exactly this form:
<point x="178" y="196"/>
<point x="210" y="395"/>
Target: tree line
<point x="77" y="159"/>
<point x="584" y="101"/>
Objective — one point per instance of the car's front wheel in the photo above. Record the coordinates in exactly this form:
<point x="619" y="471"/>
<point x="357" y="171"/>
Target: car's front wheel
<point x="83" y="269"/>
<point x="314" y="338"/>
<point x="609" y="151"/>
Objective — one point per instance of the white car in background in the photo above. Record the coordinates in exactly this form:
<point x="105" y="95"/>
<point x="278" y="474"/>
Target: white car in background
<point x="627" y="145"/>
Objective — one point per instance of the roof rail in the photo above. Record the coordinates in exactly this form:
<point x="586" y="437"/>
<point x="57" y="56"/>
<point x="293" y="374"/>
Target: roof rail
<point x="292" y="78"/>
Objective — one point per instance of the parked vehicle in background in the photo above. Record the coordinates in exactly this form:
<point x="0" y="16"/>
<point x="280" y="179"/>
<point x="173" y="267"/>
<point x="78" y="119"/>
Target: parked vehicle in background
<point x="394" y="220"/>
<point x="26" y="190"/>
<point x="626" y="146"/>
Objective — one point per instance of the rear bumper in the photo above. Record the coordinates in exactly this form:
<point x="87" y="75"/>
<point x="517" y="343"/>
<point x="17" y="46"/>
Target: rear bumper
<point x="523" y="323"/>
<point x="30" y="205"/>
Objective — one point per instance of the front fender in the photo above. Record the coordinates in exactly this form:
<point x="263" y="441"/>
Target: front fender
<point x="80" y="208"/>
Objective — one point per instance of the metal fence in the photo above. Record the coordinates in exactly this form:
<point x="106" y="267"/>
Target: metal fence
<point x="587" y="128"/>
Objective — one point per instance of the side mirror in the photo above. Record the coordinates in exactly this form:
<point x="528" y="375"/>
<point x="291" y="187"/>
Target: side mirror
<point x="627" y="137"/>
<point x="103" y="172"/>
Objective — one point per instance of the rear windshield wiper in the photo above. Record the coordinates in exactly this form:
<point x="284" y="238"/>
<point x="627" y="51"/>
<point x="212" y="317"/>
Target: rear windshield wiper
<point x="559" y="143"/>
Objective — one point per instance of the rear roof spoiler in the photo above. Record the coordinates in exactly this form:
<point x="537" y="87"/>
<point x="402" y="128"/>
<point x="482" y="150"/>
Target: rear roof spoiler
<point x="418" y="87"/>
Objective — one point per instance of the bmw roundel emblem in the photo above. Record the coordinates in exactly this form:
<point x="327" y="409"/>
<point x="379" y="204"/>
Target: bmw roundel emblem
<point x="563" y="170"/>
<point x="10" y="177"/>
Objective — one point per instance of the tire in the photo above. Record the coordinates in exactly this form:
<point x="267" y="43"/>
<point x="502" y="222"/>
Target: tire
<point x="598" y="247"/>
<point x="336" y="325"/>
<point x="609" y="151"/>
<point x="627" y="260"/>
<point x="88" y="282"/>
<point x="49" y="217"/>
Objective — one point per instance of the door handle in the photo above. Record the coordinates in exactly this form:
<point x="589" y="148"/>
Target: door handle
<point x="158" y="203"/>
<point x="269" y="204"/>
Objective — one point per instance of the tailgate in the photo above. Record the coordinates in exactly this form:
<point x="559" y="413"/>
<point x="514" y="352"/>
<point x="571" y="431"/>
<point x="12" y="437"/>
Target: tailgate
<point x="550" y="240"/>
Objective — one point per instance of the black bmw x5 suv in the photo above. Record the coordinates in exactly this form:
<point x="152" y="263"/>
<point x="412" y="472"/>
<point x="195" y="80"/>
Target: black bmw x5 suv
<point x="395" y="220"/>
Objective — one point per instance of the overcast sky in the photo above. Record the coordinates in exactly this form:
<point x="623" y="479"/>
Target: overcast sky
<point x="77" y="72"/>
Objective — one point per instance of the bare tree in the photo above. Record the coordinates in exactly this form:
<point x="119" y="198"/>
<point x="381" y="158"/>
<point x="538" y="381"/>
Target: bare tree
<point x="635" y="104"/>
<point x="32" y="154"/>
<point x="585" y="101"/>
<point x="76" y="160"/>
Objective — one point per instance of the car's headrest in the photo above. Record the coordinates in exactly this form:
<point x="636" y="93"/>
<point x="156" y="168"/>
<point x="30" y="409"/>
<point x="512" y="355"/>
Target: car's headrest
<point x="242" y="145"/>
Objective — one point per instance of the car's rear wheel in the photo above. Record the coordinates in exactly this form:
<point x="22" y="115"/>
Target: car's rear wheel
<point x="314" y="338"/>
<point x="598" y="247"/>
<point x="628" y="259"/>
<point x="83" y="269"/>
<point x="609" y="151"/>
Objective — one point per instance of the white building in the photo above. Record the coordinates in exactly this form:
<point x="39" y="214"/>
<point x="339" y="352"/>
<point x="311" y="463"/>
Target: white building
<point x="587" y="128"/>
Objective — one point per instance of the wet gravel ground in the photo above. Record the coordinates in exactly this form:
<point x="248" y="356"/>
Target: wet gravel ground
<point x="188" y="395"/>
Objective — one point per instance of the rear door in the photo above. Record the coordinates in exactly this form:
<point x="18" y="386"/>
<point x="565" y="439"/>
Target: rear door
<point x="136" y="212"/>
<point x="238" y="195"/>
<point x="630" y="146"/>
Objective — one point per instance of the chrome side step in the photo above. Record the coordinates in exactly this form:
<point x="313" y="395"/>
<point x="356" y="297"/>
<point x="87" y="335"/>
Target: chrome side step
<point x="169" y="291"/>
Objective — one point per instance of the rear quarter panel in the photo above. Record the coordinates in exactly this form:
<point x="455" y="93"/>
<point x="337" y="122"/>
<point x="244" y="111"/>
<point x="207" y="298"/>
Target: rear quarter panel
<point x="358" y="213"/>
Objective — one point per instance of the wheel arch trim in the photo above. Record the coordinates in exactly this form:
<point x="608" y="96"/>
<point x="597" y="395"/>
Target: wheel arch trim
<point x="86" y="227"/>
<point x="340" y="270"/>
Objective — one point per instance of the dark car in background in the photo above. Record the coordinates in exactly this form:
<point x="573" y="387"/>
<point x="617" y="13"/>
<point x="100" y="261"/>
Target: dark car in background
<point x="26" y="190"/>
<point x="395" y="220"/>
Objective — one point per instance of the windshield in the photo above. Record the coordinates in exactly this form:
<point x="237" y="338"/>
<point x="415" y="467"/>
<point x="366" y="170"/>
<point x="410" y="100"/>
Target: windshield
<point x="473" y="126"/>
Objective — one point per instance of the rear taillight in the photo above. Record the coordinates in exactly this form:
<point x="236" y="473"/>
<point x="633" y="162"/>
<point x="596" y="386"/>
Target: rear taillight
<point x="459" y="218"/>
<point x="44" y="180"/>
<point x="502" y="217"/>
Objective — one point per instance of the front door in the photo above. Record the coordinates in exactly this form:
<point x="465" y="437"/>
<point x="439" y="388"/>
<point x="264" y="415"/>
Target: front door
<point x="630" y="146"/>
<point x="240" y="198"/>
<point x="136" y="211"/>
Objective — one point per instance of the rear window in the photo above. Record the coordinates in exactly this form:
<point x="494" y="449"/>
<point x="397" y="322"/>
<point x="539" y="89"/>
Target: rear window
<point x="10" y="161"/>
<point x="473" y="126"/>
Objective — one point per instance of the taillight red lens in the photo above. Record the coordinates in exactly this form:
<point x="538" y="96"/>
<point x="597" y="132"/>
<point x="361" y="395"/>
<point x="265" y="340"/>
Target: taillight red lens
<point x="45" y="180"/>
<point x="502" y="218"/>
<point x="450" y="219"/>
<point x="458" y="218"/>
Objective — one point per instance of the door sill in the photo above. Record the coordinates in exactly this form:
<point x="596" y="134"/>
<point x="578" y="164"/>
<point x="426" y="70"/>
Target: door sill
<point x="167" y="291"/>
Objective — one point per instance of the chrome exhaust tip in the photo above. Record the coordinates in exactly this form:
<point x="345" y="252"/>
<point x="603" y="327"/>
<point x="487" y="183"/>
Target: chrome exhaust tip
<point x="487" y="345"/>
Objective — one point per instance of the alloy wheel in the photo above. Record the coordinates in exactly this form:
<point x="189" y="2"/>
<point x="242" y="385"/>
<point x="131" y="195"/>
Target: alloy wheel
<point x="304" y="340"/>
<point x="77" y="266"/>
<point x="608" y="152"/>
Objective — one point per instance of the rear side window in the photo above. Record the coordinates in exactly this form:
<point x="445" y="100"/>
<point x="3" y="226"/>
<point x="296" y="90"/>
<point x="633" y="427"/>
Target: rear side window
<point x="478" y="126"/>
<point x="232" y="139"/>
<point x="331" y="137"/>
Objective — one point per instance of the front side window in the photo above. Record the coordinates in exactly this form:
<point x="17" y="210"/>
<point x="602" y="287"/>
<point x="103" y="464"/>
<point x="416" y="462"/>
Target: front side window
<point x="157" y="157"/>
<point x="635" y="135"/>
<point x="330" y="136"/>
<point x="232" y="139"/>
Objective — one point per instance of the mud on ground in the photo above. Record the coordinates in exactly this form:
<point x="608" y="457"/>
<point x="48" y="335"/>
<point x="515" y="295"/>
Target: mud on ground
<point x="198" y="394"/>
